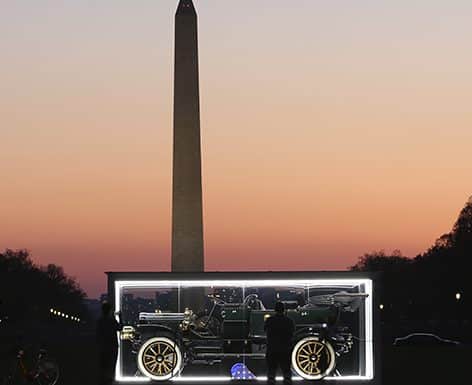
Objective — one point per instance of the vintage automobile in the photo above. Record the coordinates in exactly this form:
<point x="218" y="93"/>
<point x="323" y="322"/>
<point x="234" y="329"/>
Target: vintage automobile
<point x="164" y="343"/>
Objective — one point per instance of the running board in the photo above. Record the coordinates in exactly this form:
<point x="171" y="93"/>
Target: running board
<point x="231" y="355"/>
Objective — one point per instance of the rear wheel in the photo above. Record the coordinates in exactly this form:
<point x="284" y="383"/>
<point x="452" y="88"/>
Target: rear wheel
<point x="313" y="359"/>
<point x="160" y="358"/>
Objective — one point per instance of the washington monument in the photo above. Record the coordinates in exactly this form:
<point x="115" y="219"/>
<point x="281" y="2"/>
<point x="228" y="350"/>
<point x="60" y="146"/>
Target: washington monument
<point x="187" y="220"/>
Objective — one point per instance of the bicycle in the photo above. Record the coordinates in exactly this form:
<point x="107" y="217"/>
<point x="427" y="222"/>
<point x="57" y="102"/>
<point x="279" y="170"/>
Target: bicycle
<point x="44" y="371"/>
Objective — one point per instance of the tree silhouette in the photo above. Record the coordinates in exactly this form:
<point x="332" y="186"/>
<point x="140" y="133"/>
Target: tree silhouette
<point x="380" y="261"/>
<point x="28" y="291"/>
<point x="462" y="230"/>
<point x="425" y="287"/>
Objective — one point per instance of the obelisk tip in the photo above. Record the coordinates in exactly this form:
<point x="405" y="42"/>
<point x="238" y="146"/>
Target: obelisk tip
<point x="185" y="7"/>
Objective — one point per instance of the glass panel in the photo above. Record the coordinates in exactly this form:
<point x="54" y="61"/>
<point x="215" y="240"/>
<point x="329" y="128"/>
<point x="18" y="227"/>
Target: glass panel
<point x="216" y="328"/>
<point x="141" y="308"/>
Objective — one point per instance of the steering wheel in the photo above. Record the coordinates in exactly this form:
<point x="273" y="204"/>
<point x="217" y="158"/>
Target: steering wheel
<point x="253" y="301"/>
<point x="250" y="298"/>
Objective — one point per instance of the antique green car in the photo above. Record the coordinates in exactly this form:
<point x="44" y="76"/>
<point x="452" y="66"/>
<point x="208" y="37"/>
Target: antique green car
<point x="164" y="343"/>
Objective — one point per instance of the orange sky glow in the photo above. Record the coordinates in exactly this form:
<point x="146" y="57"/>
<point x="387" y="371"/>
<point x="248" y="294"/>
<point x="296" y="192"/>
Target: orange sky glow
<point x="328" y="130"/>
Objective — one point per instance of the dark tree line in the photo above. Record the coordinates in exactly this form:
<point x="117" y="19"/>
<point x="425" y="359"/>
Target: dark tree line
<point x="425" y="287"/>
<point x="28" y="291"/>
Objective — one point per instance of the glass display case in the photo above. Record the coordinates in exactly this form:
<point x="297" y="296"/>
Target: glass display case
<point x="183" y="326"/>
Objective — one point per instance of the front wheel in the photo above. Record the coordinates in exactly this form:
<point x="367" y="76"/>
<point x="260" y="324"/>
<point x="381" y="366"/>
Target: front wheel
<point x="160" y="359"/>
<point x="313" y="358"/>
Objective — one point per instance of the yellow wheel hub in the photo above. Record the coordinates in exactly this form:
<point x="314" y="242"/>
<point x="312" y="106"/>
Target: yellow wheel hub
<point x="312" y="358"/>
<point x="159" y="358"/>
<point x="308" y="357"/>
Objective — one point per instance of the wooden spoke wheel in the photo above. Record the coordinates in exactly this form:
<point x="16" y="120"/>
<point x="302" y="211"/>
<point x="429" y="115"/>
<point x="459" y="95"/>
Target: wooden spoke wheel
<point x="313" y="359"/>
<point x="160" y="358"/>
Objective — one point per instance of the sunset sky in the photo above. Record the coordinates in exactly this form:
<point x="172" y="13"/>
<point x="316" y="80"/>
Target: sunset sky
<point x="329" y="129"/>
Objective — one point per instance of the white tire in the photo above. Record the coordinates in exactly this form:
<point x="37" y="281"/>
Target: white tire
<point x="160" y="359"/>
<point x="313" y="359"/>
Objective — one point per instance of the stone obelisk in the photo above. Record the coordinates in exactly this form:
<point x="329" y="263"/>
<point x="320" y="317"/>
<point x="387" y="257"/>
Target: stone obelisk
<point x="187" y="218"/>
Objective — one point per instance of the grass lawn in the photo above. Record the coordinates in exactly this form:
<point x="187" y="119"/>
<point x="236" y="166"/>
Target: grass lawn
<point x="401" y="366"/>
<point x="426" y="366"/>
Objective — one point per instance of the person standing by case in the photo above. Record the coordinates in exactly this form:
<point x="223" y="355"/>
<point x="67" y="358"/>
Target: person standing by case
<point x="107" y="327"/>
<point x="279" y="329"/>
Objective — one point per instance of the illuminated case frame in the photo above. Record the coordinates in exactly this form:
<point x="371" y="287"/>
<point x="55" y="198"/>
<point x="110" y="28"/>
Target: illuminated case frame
<point x="370" y="317"/>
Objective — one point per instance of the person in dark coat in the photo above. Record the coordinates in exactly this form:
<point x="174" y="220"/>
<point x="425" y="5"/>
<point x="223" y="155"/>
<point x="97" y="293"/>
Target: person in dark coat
<point x="279" y="329"/>
<point x="107" y="340"/>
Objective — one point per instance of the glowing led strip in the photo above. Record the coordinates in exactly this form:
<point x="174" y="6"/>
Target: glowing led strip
<point x="151" y="284"/>
<point x="369" y="331"/>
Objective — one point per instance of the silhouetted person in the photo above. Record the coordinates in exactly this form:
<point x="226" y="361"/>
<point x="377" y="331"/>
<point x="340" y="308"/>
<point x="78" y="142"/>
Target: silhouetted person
<point x="107" y="344"/>
<point x="279" y="329"/>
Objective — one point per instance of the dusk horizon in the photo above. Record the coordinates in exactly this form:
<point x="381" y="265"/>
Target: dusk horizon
<point x="94" y="285"/>
<point x="254" y="191"/>
<point x="329" y="130"/>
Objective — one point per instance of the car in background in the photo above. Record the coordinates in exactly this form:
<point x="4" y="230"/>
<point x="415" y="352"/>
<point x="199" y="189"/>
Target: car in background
<point x="423" y="339"/>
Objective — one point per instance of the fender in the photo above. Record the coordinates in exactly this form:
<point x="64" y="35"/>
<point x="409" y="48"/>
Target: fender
<point x="310" y="332"/>
<point x="156" y="330"/>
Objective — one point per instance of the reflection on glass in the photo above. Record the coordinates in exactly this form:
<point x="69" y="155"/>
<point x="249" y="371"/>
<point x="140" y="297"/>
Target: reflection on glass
<point x="180" y="329"/>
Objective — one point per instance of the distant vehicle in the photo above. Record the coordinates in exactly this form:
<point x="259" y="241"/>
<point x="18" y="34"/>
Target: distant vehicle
<point x="423" y="339"/>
